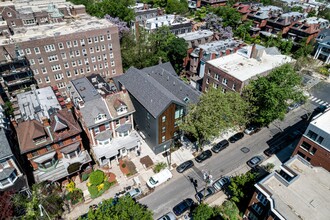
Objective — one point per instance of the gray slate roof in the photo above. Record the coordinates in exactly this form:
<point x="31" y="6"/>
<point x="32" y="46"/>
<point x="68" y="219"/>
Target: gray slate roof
<point x="85" y="89"/>
<point x="91" y="110"/>
<point x="6" y="173"/>
<point x="326" y="34"/>
<point x="156" y="87"/>
<point x="5" y="150"/>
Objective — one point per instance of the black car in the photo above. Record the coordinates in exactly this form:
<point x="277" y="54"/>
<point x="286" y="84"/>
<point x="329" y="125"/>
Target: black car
<point x="183" y="206"/>
<point x="203" y="156"/>
<point x="236" y="137"/>
<point x="204" y="194"/>
<point x="185" y="166"/>
<point x="271" y="151"/>
<point x="220" y="146"/>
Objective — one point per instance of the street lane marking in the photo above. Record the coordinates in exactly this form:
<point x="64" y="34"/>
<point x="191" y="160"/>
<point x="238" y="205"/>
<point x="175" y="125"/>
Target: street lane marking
<point x="313" y="99"/>
<point x="321" y="102"/>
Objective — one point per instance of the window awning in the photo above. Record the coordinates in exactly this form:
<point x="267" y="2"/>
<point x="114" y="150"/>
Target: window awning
<point x="44" y="157"/>
<point x="70" y="148"/>
<point x="123" y="128"/>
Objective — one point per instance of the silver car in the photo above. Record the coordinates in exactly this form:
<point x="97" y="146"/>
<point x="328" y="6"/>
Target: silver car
<point x="168" y="216"/>
<point x="221" y="183"/>
<point x="134" y="193"/>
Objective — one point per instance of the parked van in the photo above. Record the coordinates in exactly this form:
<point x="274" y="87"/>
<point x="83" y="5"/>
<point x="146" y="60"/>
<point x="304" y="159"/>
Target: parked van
<point x="159" y="178"/>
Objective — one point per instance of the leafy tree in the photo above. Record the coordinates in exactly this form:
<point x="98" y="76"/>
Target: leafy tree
<point x="270" y="94"/>
<point x="312" y="13"/>
<point x="200" y="14"/>
<point x="9" y="110"/>
<point x="215" y="112"/>
<point x="122" y="25"/>
<point x="243" y="30"/>
<point x="230" y="16"/>
<point x="119" y="8"/>
<point x="176" y="6"/>
<point x="242" y="186"/>
<point x="176" y="52"/>
<point x="228" y="211"/>
<point x="214" y="23"/>
<point x="304" y="49"/>
<point x="203" y="212"/>
<point x="124" y="208"/>
<point x="6" y="205"/>
<point x="325" y="13"/>
<point x="159" y="166"/>
<point x="297" y="9"/>
<point x="42" y="194"/>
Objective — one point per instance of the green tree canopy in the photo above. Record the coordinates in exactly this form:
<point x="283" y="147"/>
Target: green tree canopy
<point x="176" y="6"/>
<point x="215" y="112"/>
<point x="270" y="94"/>
<point x="119" y="8"/>
<point x="325" y="13"/>
<point x="124" y="208"/>
<point x="242" y="187"/>
<point x="203" y="212"/>
<point x="230" y="16"/>
<point x="42" y="194"/>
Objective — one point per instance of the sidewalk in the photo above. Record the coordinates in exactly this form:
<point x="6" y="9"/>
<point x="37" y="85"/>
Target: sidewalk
<point x="177" y="157"/>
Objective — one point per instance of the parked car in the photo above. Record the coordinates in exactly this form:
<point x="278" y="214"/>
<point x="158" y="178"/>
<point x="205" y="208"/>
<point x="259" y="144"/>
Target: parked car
<point x="183" y="206"/>
<point x="203" y="156"/>
<point x="271" y="151"/>
<point x="251" y="129"/>
<point x="134" y="193"/>
<point x="204" y="194"/>
<point x="236" y="137"/>
<point x="168" y="216"/>
<point x="221" y="183"/>
<point x="254" y="161"/>
<point x="159" y="178"/>
<point x="185" y="166"/>
<point x="320" y="109"/>
<point x="220" y="146"/>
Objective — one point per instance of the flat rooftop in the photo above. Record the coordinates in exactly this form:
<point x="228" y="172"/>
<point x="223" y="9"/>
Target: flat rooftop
<point x="38" y="103"/>
<point x="86" y="23"/>
<point x="314" y="20"/>
<point x="322" y="122"/>
<point x="195" y="35"/>
<point x="244" y="68"/>
<point x="306" y="197"/>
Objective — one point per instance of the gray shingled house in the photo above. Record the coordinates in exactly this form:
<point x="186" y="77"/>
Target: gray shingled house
<point x="160" y="99"/>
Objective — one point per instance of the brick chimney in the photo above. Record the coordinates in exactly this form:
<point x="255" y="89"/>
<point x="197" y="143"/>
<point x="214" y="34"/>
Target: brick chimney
<point x="45" y="121"/>
<point x="253" y="51"/>
<point x="123" y="89"/>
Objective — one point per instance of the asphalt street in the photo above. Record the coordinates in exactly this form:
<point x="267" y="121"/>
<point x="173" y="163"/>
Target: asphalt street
<point x="166" y="196"/>
<point x="321" y="91"/>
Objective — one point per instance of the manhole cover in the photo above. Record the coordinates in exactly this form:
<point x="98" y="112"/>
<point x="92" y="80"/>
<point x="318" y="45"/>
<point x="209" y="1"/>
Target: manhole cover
<point x="245" y="150"/>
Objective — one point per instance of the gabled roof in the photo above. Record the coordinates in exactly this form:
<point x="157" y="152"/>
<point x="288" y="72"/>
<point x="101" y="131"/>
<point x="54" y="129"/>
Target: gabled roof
<point x="92" y="109"/>
<point x="157" y="87"/>
<point x="29" y="130"/>
<point x="5" y="150"/>
<point x="63" y="119"/>
<point x="115" y="100"/>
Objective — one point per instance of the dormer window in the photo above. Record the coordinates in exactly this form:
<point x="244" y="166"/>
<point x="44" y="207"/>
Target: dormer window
<point x="120" y="107"/>
<point x="100" y="117"/>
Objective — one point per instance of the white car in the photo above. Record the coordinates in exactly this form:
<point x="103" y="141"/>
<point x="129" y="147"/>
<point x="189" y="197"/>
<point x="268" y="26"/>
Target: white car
<point x="159" y="178"/>
<point x="168" y="216"/>
<point x="134" y="193"/>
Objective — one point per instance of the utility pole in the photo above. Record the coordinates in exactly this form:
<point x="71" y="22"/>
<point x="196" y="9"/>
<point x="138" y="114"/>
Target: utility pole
<point x="208" y="180"/>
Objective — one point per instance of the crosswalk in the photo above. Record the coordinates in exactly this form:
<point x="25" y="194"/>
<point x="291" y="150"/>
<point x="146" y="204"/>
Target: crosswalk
<point x="319" y="101"/>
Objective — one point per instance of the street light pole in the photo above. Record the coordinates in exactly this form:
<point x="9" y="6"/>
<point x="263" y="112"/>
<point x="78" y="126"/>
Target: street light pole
<point x="41" y="212"/>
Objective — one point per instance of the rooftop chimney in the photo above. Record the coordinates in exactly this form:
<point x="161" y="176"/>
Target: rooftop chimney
<point x="45" y="121"/>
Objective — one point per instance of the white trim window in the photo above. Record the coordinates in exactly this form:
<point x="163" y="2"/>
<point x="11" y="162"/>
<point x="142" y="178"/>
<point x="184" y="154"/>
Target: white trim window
<point x="37" y="50"/>
<point x="49" y="48"/>
<point x="224" y="81"/>
<point x="96" y="130"/>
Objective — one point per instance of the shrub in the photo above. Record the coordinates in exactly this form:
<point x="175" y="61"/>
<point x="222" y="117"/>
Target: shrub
<point x="123" y="165"/>
<point x="93" y="191"/>
<point x="84" y="176"/>
<point x="268" y="167"/>
<point x="71" y="186"/>
<point x="159" y="166"/>
<point x="75" y="196"/>
<point x="96" y="177"/>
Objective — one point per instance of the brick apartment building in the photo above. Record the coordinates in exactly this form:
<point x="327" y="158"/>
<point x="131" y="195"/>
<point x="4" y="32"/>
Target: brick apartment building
<point x="314" y="145"/>
<point x="60" y="41"/>
<point x="307" y="28"/>
<point x="234" y="71"/>
<point x="296" y="191"/>
<point x="52" y="149"/>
